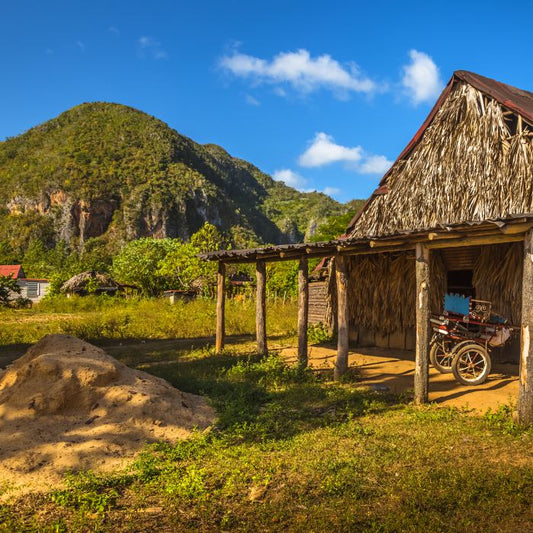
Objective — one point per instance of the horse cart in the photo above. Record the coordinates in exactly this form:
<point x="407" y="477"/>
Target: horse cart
<point x="463" y="337"/>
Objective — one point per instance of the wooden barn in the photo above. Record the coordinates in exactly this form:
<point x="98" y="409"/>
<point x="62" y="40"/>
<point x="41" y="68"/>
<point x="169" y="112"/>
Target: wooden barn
<point x="454" y="213"/>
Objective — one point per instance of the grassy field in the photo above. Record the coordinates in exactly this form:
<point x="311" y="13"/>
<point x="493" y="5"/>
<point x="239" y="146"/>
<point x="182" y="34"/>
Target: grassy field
<point x="292" y="451"/>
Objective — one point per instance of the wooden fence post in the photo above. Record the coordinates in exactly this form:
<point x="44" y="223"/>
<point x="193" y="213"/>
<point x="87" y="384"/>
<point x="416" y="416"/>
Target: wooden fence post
<point x="422" y="324"/>
<point x="303" y="310"/>
<point x="260" y="308"/>
<point x="221" y="305"/>
<point x="525" y="387"/>
<point x="341" y="364"/>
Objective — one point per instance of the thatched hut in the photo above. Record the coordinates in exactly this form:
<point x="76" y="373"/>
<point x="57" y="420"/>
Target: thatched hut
<point x="90" y="282"/>
<point x="453" y="213"/>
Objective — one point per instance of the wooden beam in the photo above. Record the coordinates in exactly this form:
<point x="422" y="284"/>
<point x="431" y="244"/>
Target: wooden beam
<point x="221" y="304"/>
<point x="474" y="241"/>
<point x="303" y="310"/>
<point x="525" y="387"/>
<point x="512" y="229"/>
<point x="433" y="236"/>
<point x="422" y="324"/>
<point x="260" y="308"/>
<point x="341" y="363"/>
<point x="381" y="244"/>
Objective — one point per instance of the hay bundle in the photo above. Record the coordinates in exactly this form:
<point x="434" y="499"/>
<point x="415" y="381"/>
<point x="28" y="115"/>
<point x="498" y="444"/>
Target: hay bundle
<point x="498" y="278"/>
<point x="89" y="280"/>
<point x="473" y="163"/>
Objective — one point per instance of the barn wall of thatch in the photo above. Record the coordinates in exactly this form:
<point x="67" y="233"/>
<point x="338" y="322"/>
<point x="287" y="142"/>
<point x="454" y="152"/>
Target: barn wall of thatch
<point x="382" y="291"/>
<point x="472" y="164"/>
<point x="498" y="278"/>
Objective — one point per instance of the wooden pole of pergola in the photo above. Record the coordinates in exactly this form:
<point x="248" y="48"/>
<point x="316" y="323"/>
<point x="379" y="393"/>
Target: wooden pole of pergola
<point x="303" y="310"/>
<point x="341" y="364"/>
<point x="422" y="324"/>
<point x="260" y="309"/>
<point x="221" y="304"/>
<point x="525" y="387"/>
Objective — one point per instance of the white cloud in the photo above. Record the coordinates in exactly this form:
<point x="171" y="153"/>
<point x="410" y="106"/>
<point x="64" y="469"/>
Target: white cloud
<point x="151" y="47"/>
<point x="375" y="164"/>
<point x="323" y="150"/>
<point x="331" y="191"/>
<point x="421" y="78"/>
<point x="114" y="31"/>
<point x="250" y="100"/>
<point x="301" y="71"/>
<point x="81" y="46"/>
<point x="290" y="178"/>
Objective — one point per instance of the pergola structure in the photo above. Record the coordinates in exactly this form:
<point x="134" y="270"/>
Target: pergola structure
<point x="516" y="229"/>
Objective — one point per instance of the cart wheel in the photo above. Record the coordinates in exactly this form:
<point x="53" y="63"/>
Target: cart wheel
<point x="441" y="355"/>
<point x="471" y="364"/>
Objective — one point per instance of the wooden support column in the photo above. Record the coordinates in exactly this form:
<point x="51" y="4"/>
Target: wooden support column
<point x="303" y="310"/>
<point x="422" y="325"/>
<point x="221" y="305"/>
<point x="341" y="364"/>
<point x="260" y="308"/>
<point x="525" y="388"/>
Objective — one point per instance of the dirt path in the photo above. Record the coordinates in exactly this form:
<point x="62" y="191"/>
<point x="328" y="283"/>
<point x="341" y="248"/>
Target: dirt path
<point x="394" y="369"/>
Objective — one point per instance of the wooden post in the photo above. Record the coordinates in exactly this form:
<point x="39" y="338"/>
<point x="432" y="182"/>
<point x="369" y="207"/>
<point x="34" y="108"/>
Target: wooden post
<point x="303" y="310"/>
<point x="260" y="308"/>
<point x="221" y="304"/>
<point x="422" y="325"/>
<point x="341" y="364"/>
<point x="525" y="387"/>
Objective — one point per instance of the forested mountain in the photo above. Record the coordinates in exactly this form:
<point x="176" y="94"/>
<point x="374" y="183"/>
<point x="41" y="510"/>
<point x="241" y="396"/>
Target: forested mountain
<point x="109" y="172"/>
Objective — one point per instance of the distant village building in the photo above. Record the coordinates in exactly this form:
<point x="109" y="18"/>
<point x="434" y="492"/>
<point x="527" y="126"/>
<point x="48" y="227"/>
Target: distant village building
<point x="92" y="282"/>
<point x="31" y="288"/>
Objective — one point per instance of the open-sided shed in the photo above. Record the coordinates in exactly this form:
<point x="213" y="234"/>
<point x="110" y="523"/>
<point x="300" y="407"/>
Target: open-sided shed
<point x="454" y="210"/>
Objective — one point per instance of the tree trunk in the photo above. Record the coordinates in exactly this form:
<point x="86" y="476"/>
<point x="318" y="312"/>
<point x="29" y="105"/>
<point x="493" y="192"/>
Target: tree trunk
<point x="422" y="325"/>
<point x="525" y="388"/>
<point x="341" y="364"/>
<point x="221" y="305"/>
<point x="260" y="308"/>
<point x="303" y="310"/>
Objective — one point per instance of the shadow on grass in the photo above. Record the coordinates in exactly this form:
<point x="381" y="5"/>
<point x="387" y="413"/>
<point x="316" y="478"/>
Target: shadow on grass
<point x="259" y="399"/>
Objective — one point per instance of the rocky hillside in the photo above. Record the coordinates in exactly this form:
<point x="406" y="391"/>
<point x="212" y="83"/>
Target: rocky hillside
<point x="111" y="172"/>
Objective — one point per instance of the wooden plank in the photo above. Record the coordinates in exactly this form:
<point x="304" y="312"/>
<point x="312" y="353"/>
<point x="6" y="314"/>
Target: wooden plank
<point x="260" y="308"/>
<point x="475" y="241"/>
<point x="221" y="304"/>
<point x="422" y="324"/>
<point x="341" y="363"/>
<point x="303" y="310"/>
<point x="525" y="387"/>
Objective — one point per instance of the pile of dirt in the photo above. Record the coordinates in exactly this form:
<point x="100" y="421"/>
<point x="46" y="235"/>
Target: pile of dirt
<point x="66" y="405"/>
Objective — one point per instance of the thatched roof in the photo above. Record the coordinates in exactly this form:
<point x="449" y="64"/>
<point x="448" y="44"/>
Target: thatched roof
<point x="472" y="160"/>
<point x="80" y="282"/>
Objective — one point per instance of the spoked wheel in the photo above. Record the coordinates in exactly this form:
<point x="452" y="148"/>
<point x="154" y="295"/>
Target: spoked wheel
<point x="441" y="356"/>
<point x="471" y="364"/>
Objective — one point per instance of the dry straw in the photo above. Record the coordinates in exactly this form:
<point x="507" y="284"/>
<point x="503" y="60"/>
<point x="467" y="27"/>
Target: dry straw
<point x="473" y="163"/>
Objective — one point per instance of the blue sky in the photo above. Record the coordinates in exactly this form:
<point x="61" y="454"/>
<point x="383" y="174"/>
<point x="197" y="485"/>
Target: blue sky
<point x="323" y="95"/>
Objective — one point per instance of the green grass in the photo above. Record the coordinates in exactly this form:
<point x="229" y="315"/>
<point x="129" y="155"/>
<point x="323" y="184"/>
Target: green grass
<point x="103" y="318"/>
<point x="293" y="451"/>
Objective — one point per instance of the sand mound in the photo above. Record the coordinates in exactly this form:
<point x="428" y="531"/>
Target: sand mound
<point x="66" y="405"/>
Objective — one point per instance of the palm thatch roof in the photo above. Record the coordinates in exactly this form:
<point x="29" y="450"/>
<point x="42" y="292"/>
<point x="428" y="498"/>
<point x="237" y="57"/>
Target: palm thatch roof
<point x="472" y="160"/>
<point x="91" y="279"/>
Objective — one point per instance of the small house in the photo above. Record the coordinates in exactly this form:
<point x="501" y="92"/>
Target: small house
<point x="31" y="288"/>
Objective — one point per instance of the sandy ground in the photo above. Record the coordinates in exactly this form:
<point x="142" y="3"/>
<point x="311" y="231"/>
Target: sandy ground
<point x="67" y="405"/>
<point x="394" y="369"/>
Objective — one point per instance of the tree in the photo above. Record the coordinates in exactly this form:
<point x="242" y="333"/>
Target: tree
<point x="139" y="262"/>
<point x="8" y="289"/>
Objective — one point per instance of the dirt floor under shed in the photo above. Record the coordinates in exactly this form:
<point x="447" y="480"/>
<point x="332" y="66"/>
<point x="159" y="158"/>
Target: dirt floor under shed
<point x="393" y="370"/>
